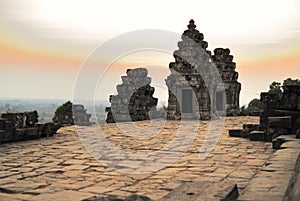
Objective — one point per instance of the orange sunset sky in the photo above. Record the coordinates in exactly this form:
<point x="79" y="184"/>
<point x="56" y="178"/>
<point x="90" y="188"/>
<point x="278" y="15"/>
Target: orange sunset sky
<point x="44" y="43"/>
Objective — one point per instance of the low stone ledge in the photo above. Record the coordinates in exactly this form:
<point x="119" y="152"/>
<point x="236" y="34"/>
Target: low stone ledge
<point x="275" y="179"/>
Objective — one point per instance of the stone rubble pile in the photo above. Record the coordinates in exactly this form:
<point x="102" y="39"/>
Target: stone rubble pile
<point x="24" y="126"/>
<point x="280" y="116"/>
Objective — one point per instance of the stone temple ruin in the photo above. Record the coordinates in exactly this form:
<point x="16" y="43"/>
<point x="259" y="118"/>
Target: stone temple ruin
<point x="192" y="64"/>
<point x="134" y="101"/>
<point x="280" y="116"/>
<point x="80" y="115"/>
<point x="70" y="114"/>
<point x="24" y="126"/>
<point x="194" y="90"/>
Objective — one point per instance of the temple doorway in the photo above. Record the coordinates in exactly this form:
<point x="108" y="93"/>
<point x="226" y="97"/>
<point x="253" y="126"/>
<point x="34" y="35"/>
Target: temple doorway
<point x="187" y="101"/>
<point x="219" y="100"/>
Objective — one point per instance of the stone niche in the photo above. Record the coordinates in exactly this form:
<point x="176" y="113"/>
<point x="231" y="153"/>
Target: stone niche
<point x="194" y="88"/>
<point x="134" y="101"/>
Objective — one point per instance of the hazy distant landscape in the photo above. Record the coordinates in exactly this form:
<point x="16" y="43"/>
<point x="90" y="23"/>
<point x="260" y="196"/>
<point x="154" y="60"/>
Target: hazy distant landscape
<point x="47" y="107"/>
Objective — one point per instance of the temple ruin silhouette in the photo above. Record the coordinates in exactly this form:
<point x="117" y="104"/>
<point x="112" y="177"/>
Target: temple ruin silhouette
<point x="195" y="92"/>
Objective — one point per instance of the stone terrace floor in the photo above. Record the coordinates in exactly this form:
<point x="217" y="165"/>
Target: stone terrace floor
<point x="59" y="167"/>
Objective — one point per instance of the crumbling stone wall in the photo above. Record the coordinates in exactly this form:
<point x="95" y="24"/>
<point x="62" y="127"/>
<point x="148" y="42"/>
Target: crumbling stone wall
<point x="134" y="101"/>
<point x="24" y="126"/>
<point x="224" y="62"/>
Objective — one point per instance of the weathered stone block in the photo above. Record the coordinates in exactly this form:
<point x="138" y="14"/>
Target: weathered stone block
<point x="235" y="133"/>
<point x="280" y="122"/>
<point x="19" y="135"/>
<point x="276" y="144"/>
<point x="48" y="129"/>
<point x="31" y="133"/>
<point x="257" y="136"/>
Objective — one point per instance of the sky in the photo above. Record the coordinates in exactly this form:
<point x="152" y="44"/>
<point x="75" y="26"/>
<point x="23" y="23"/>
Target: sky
<point x="44" y="43"/>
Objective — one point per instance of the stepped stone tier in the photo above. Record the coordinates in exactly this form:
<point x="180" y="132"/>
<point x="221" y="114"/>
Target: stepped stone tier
<point x="134" y="101"/>
<point x="194" y="86"/>
<point x="24" y="126"/>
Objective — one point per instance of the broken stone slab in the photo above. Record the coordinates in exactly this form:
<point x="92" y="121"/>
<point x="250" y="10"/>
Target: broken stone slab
<point x="233" y="193"/>
<point x="236" y="133"/>
<point x="276" y="144"/>
<point x="137" y="72"/>
<point x="257" y="136"/>
<point x="280" y="122"/>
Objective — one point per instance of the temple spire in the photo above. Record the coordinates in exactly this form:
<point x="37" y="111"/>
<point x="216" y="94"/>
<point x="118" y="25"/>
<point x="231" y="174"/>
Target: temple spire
<point x="191" y="24"/>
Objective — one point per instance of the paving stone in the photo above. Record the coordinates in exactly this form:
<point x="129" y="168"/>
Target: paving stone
<point x="66" y="195"/>
<point x="51" y="167"/>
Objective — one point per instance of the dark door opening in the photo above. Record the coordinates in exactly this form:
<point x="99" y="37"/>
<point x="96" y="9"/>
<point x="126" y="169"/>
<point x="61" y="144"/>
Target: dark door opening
<point x="187" y="101"/>
<point x="219" y="100"/>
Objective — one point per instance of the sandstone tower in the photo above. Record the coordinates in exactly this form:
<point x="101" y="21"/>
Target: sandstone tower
<point x="194" y="82"/>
